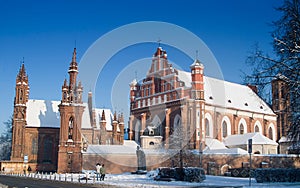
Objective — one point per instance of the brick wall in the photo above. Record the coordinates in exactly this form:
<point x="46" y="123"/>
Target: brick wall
<point x="117" y="163"/>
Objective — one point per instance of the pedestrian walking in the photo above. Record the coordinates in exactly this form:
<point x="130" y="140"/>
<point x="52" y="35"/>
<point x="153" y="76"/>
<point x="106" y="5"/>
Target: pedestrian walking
<point x="98" y="167"/>
<point x="29" y="169"/>
<point x="102" y="172"/>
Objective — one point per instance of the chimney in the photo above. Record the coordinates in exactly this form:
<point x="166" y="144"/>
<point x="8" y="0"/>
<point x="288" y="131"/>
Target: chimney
<point x="253" y="87"/>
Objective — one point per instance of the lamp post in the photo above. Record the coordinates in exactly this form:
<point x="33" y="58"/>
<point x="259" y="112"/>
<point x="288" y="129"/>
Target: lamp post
<point x="250" y="161"/>
<point x="200" y="154"/>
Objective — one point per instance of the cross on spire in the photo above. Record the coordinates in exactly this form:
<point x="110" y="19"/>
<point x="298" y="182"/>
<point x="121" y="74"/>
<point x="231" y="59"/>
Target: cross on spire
<point x="158" y="41"/>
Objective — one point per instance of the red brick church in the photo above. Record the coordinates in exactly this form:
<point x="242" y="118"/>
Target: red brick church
<point x="51" y="135"/>
<point x="171" y="104"/>
<point x="169" y="109"/>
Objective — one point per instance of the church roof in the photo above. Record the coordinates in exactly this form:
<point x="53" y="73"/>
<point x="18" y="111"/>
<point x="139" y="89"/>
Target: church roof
<point x="229" y="95"/>
<point x="129" y="147"/>
<point x="226" y="151"/>
<point x="213" y="144"/>
<point x="43" y="113"/>
<point x="242" y="139"/>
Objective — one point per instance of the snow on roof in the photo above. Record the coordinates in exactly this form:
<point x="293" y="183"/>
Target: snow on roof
<point x="213" y="144"/>
<point x="129" y="147"/>
<point x="242" y="139"/>
<point x="41" y="113"/>
<point x="226" y="151"/>
<point x="283" y="139"/>
<point x="229" y="95"/>
<point x="108" y="117"/>
<point x="185" y="77"/>
<point x="86" y="122"/>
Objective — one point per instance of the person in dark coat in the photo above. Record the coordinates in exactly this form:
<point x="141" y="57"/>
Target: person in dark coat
<point x="29" y="169"/>
<point x="102" y="173"/>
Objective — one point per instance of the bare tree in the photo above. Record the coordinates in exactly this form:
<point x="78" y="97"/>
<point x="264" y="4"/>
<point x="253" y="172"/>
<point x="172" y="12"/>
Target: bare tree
<point x="285" y="61"/>
<point x="5" y="141"/>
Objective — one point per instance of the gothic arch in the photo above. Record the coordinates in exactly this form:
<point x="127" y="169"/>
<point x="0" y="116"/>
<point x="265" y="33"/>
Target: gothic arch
<point x="257" y="127"/>
<point x="208" y="125"/>
<point x="70" y="128"/>
<point x="177" y="121"/>
<point x="271" y="131"/>
<point x="225" y="122"/>
<point x="156" y="122"/>
<point x="242" y="126"/>
<point x="48" y="150"/>
<point x="225" y="168"/>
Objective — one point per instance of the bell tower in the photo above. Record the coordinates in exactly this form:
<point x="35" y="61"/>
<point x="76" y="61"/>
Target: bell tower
<point x="71" y="109"/>
<point x="197" y="93"/>
<point x="19" y="115"/>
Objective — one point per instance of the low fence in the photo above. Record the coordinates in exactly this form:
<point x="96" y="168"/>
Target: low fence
<point x="67" y="177"/>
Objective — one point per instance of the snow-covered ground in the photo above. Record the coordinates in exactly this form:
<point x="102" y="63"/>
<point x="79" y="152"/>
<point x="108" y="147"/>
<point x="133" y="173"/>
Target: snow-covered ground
<point x="146" y="181"/>
<point x="131" y="180"/>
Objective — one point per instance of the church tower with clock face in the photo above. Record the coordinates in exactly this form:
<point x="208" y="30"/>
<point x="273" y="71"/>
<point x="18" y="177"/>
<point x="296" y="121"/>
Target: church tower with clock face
<point x="19" y="115"/>
<point x="71" y="109"/>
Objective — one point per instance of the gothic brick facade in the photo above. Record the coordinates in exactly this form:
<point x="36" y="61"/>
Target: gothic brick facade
<point x="171" y="104"/>
<point x="51" y="135"/>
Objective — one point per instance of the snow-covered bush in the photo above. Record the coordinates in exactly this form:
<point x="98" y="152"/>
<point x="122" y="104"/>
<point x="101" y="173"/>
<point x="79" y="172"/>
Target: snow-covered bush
<point x="190" y="174"/>
<point x="277" y="175"/>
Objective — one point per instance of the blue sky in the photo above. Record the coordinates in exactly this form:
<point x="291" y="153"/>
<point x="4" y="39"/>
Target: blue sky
<point x="44" y="33"/>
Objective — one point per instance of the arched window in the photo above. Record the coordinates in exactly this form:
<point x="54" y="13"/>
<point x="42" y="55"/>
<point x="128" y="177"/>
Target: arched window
<point x="21" y="94"/>
<point x="34" y="143"/>
<point x="70" y="130"/>
<point x="47" y="150"/>
<point x="224" y="129"/>
<point x="270" y="133"/>
<point x="241" y="128"/>
<point x="257" y="127"/>
<point x="206" y="127"/>
<point x="177" y="122"/>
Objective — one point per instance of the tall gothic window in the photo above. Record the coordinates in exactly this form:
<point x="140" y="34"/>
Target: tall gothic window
<point x="34" y="144"/>
<point x="256" y="129"/>
<point x="47" y="150"/>
<point x="207" y="127"/>
<point x="70" y="131"/>
<point x="224" y="129"/>
<point x="271" y="133"/>
<point x="241" y="128"/>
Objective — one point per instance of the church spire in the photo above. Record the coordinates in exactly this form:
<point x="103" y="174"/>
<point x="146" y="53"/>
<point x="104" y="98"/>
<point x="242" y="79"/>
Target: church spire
<point x="103" y="116"/>
<point x="74" y="56"/>
<point x="22" y="74"/>
<point x="22" y="87"/>
<point x="72" y="93"/>
<point x="73" y="70"/>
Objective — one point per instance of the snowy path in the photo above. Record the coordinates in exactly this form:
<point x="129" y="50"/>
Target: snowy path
<point x="146" y="181"/>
